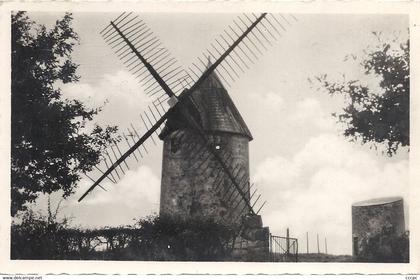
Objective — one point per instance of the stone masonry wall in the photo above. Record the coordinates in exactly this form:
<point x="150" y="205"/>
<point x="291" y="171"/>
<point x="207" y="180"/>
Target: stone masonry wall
<point x="254" y="242"/>
<point x="189" y="176"/>
<point x="375" y="227"/>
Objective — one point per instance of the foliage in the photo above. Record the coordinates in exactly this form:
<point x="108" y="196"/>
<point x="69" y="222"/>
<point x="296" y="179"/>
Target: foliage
<point x="35" y="237"/>
<point x="48" y="146"/>
<point x="377" y="116"/>
<point x="150" y="239"/>
<point x="187" y="240"/>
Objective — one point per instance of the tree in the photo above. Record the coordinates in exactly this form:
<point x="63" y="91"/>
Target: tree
<point x="50" y="146"/>
<point x="378" y="116"/>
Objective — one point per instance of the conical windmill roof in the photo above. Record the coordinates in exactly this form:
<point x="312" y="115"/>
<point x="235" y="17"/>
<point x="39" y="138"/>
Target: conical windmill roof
<point x="217" y="111"/>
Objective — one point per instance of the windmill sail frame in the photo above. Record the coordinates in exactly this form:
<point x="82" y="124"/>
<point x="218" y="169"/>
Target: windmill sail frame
<point x="115" y="36"/>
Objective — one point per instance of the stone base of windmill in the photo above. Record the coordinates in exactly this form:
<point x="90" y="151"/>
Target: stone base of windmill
<point x="253" y="243"/>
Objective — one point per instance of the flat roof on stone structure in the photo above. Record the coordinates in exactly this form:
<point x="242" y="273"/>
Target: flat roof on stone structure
<point x="377" y="201"/>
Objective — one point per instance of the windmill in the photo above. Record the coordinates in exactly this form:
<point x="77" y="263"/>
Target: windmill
<point x="203" y="163"/>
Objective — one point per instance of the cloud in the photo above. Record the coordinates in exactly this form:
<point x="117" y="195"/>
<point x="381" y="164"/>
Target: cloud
<point x="314" y="190"/>
<point x="120" y="92"/>
<point x="262" y="104"/>
<point x="272" y="100"/>
<point x="276" y="170"/>
<point x="310" y="112"/>
<point x="136" y="185"/>
<point x="136" y="195"/>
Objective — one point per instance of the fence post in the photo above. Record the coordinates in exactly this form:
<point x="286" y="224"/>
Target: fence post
<point x="326" y="248"/>
<point x="307" y="243"/>
<point x="317" y="241"/>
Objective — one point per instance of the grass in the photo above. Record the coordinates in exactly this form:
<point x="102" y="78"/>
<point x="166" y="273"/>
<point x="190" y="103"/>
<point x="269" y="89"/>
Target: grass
<point x="314" y="257"/>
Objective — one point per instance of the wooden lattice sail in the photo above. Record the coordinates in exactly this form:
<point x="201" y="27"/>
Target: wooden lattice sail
<point x="192" y="112"/>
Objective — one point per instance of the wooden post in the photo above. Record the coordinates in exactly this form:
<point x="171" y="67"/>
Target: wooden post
<point x="317" y="241"/>
<point x="326" y="248"/>
<point x="307" y="243"/>
<point x="287" y="243"/>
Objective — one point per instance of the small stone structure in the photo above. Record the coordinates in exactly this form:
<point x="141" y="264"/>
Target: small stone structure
<point x="377" y="224"/>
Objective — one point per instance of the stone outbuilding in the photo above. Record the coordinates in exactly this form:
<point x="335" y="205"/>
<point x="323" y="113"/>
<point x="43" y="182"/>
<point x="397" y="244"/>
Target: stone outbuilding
<point x="378" y="227"/>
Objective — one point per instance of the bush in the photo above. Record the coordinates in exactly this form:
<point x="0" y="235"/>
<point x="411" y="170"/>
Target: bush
<point x="150" y="239"/>
<point x="183" y="240"/>
<point x="38" y="237"/>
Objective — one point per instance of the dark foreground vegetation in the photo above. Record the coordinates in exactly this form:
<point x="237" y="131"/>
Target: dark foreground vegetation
<point x="314" y="257"/>
<point x="153" y="238"/>
<point x="38" y="237"/>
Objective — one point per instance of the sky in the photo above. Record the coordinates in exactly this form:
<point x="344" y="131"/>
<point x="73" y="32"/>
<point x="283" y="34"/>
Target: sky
<point x="307" y="171"/>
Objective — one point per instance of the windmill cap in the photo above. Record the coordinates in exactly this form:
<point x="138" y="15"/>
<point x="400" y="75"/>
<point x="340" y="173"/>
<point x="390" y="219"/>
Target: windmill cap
<point x="217" y="110"/>
<point x="377" y="201"/>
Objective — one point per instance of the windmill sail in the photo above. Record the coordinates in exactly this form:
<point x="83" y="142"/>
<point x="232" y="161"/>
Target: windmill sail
<point x="126" y="154"/>
<point x="142" y="52"/>
<point x="270" y="27"/>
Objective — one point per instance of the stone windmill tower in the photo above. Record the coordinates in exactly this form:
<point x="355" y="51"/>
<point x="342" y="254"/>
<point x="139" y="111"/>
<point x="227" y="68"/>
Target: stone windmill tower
<point x="188" y="187"/>
<point x="205" y="170"/>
